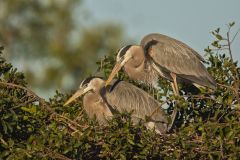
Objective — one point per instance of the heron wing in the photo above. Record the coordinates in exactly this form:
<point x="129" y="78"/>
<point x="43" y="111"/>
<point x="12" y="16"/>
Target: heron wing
<point x="127" y="97"/>
<point x="174" y="56"/>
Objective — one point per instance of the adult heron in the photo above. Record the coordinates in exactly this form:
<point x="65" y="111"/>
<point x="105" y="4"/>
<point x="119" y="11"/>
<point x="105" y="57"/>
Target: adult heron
<point x="120" y="96"/>
<point x="160" y="55"/>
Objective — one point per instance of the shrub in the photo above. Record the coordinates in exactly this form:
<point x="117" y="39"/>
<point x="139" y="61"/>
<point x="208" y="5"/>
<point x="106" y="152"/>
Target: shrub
<point x="207" y="126"/>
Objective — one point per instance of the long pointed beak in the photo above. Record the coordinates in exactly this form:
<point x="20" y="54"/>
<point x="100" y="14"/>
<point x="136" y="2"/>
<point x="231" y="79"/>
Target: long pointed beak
<point x="115" y="70"/>
<point x="77" y="94"/>
<point x="117" y="67"/>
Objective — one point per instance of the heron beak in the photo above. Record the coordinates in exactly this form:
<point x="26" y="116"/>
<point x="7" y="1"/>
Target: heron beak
<point x="77" y="94"/>
<point x="116" y="68"/>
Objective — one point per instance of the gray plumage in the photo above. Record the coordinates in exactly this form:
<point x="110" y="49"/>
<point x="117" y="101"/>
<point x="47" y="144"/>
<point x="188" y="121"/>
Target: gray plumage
<point x="171" y="55"/>
<point x="121" y="96"/>
<point x="160" y="55"/>
<point x="124" y="96"/>
<point x="95" y="106"/>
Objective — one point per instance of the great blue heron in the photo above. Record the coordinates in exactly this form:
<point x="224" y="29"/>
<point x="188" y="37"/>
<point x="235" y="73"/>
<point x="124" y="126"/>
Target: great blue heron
<point x="160" y="55"/>
<point x="120" y="96"/>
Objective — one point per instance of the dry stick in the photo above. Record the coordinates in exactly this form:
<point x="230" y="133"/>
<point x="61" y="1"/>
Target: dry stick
<point x="71" y="121"/>
<point x="33" y="99"/>
<point x="53" y="155"/>
<point x="229" y="45"/>
<point x="226" y="86"/>
<point x="235" y="36"/>
<point x="198" y="97"/>
<point x="3" y="141"/>
<point x="236" y="78"/>
<point x="78" y="116"/>
<point x="219" y="49"/>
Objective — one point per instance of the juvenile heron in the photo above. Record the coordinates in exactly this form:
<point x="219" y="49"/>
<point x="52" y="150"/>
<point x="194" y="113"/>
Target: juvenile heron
<point x="160" y="55"/>
<point x="120" y="96"/>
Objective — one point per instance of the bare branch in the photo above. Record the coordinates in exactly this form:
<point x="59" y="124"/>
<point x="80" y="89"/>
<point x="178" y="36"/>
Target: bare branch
<point x="235" y="36"/>
<point x="229" y="45"/>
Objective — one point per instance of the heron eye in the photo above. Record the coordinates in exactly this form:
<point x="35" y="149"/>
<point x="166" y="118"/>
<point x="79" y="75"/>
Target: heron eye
<point x="83" y="85"/>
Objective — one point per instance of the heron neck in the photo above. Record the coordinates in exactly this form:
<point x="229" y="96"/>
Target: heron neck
<point x="143" y="73"/>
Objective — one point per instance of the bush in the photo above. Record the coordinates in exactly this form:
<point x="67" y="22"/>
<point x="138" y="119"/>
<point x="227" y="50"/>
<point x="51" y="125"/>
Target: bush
<point x="207" y="126"/>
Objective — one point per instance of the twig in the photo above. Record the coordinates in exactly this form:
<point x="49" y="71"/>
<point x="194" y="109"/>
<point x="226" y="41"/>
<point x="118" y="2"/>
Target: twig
<point x="198" y="97"/>
<point x="71" y="121"/>
<point x="225" y="86"/>
<point x="33" y="99"/>
<point x="219" y="49"/>
<point x="54" y="155"/>
<point x="3" y="141"/>
<point x="235" y="36"/>
<point x="229" y="44"/>
<point x="78" y="116"/>
<point x="236" y="78"/>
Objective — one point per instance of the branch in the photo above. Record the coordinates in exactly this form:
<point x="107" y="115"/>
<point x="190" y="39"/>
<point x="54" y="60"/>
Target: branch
<point x="54" y="155"/>
<point x="235" y="36"/>
<point x="236" y="78"/>
<point x="41" y="100"/>
<point x="3" y="141"/>
<point x="229" y="44"/>
<point x="70" y="121"/>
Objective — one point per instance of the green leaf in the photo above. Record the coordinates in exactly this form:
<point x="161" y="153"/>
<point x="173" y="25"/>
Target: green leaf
<point x="219" y="37"/>
<point x="231" y="24"/>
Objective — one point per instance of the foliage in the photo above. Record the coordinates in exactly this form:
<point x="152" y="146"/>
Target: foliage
<point x="207" y="126"/>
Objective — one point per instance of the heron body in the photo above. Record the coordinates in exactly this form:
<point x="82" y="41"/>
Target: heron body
<point x="125" y="97"/>
<point x="92" y="100"/>
<point x="122" y="97"/>
<point x="160" y="55"/>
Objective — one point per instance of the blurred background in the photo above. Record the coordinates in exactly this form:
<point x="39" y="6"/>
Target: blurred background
<point x="56" y="43"/>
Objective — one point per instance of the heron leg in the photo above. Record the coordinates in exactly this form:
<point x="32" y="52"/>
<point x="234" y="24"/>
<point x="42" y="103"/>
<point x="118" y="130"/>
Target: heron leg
<point x="175" y="86"/>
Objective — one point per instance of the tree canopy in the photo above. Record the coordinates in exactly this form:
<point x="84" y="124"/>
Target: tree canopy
<point x="207" y="126"/>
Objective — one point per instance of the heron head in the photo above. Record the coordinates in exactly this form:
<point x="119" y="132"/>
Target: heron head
<point x="89" y="84"/>
<point x="131" y="55"/>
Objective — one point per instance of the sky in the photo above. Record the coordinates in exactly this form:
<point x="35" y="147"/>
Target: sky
<point x="189" y="21"/>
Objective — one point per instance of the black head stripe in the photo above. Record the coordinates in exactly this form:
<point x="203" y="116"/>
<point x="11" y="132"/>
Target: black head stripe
<point x="123" y="50"/>
<point x="87" y="80"/>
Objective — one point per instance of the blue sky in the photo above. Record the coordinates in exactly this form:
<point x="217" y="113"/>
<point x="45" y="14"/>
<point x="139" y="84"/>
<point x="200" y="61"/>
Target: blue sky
<point x="189" y="21"/>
